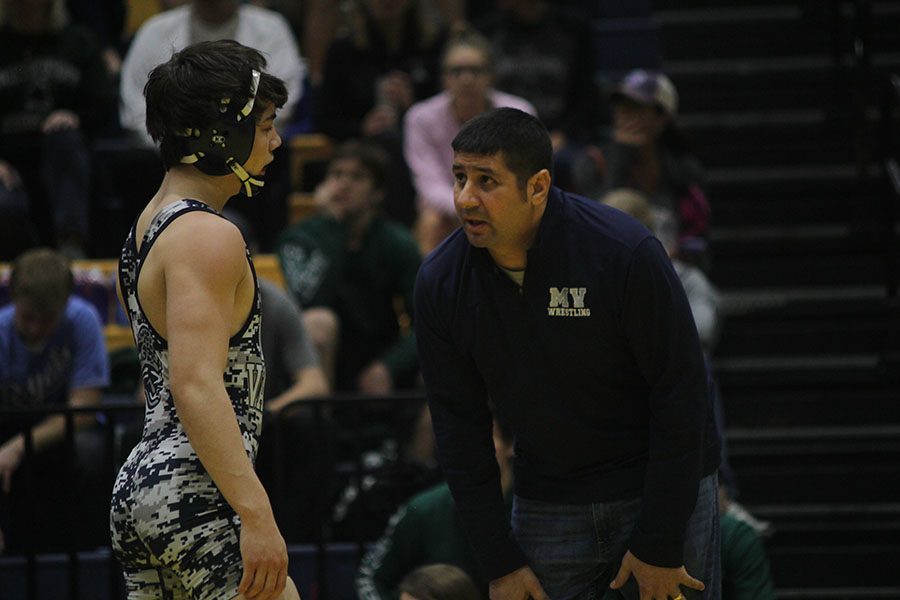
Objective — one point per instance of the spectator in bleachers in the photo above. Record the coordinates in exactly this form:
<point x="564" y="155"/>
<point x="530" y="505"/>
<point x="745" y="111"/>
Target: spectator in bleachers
<point x="438" y="582"/>
<point x="54" y="92"/>
<point x="346" y="265"/>
<point x="293" y="370"/>
<point x="649" y="153"/>
<point x="353" y="269"/>
<point x="746" y="574"/>
<point x="701" y="293"/>
<point x="315" y="23"/>
<point x="428" y="530"/>
<point x="388" y="58"/>
<point x="430" y="125"/>
<point x="545" y="53"/>
<point x="52" y="353"/>
<point x="106" y="19"/>
<point x="16" y="231"/>
<point x="293" y="374"/>
<point x="206" y="20"/>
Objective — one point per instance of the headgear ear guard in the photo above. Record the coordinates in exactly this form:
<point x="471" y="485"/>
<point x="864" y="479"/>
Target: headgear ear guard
<point x="227" y="143"/>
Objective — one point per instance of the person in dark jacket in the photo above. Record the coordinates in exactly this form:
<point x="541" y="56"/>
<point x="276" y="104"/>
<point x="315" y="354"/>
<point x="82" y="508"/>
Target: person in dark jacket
<point x="569" y="317"/>
<point x="389" y="58"/>
<point x="55" y="94"/>
<point x="427" y="530"/>
<point x="650" y="153"/>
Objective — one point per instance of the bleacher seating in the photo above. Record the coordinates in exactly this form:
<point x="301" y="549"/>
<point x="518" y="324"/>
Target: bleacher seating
<point x="810" y="389"/>
<point x="95" y="281"/>
<point x="304" y="150"/>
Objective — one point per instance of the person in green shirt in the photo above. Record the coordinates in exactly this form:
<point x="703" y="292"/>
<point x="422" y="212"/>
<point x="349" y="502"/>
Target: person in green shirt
<point x="350" y="268"/>
<point x="745" y="567"/>
<point x="427" y="530"/>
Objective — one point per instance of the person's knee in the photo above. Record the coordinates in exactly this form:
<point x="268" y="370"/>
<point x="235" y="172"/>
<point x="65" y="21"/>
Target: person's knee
<point x="322" y="325"/>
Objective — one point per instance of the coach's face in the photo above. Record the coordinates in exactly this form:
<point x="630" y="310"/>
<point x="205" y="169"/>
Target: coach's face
<point x="497" y="212"/>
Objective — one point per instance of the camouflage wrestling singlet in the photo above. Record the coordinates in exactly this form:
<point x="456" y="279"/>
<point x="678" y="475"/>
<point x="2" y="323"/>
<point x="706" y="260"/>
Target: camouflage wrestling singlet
<point x="172" y="530"/>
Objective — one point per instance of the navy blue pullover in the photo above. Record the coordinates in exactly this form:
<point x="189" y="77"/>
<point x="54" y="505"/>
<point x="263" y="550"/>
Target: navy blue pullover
<point x="594" y="361"/>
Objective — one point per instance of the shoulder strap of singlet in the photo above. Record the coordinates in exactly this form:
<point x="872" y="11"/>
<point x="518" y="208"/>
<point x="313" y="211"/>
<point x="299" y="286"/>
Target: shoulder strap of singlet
<point x="132" y="258"/>
<point x="164" y="218"/>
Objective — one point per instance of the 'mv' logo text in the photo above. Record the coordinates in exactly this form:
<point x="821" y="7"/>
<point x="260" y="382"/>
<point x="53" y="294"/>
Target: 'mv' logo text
<point x="559" y="302"/>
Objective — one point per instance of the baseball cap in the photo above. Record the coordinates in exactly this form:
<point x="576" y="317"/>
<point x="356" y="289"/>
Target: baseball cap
<point x="650" y="88"/>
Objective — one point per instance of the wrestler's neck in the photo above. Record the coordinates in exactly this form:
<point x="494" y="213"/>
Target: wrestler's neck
<point x="184" y="181"/>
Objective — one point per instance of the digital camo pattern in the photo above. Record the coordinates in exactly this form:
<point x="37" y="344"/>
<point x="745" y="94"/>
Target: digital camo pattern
<point x="172" y="531"/>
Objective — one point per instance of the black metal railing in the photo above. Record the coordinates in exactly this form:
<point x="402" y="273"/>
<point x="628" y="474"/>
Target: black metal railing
<point x="342" y="429"/>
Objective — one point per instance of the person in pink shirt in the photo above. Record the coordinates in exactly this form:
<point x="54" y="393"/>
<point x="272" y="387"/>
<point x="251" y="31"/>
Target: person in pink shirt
<point x="430" y="125"/>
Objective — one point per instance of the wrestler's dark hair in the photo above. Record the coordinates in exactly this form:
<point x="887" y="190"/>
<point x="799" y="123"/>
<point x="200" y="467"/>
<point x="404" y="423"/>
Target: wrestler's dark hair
<point x="186" y="91"/>
<point x="371" y="156"/>
<point x="521" y="139"/>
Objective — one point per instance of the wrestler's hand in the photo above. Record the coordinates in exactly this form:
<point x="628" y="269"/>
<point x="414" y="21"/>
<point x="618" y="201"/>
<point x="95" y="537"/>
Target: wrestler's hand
<point x="265" y="558"/>
<point x="655" y="583"/>
<point x="518" y="585"/>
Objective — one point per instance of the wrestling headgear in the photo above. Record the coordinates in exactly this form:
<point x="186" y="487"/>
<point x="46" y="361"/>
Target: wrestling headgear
<point x="226" y="144"/>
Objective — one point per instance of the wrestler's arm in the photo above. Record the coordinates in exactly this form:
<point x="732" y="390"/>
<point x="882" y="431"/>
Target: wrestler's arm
<point x="204" y="264"/>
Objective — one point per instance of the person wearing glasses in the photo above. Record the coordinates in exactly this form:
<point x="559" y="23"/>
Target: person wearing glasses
<point x="429" y="127"/>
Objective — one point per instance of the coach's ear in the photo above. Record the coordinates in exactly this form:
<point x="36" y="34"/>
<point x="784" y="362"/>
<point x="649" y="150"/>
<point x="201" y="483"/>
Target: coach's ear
<point x="539" y="187"/>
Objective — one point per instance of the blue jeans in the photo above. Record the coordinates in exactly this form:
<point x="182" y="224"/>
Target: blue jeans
<point x="576" y="549"/>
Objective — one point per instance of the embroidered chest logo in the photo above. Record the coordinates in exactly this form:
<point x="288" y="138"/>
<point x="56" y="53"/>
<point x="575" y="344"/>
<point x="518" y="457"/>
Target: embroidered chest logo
<point x="559" y="302"/>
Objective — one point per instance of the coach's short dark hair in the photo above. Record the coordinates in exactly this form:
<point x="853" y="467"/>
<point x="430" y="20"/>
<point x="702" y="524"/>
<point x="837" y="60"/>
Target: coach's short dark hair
<point x="521" y="138"/>
<point x="185" y="92"/>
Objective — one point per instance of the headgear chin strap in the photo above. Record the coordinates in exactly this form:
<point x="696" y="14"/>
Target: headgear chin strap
<point x="227" y="143"/>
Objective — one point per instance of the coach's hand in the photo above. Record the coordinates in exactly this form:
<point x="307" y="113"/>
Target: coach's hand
<point x="265" y="558"/>
<point x="655" y="583"/>
<point x="518" y="585"/>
